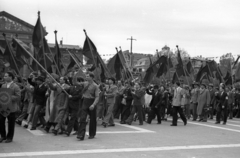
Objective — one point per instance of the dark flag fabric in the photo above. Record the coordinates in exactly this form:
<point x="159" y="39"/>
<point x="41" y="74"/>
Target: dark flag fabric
<point x="237" y="73"/>
<point x="201" y="72"/>
<point x="218" y="74"/>
<point x="87" y="47"/>
<point x="204" y="76"/>
<point x="71" y="64"/>
<point x="228" y="78"/>
<point x="175" y="78"/>
<point x="179" y="59"/>
<point x="21" y="49"/>
<point x="189" y="67"/>
<point x="38" y="34"/>
<point x="58" y="56"/>
<point x="90" y="51"/>
<point x="9" y="58"/>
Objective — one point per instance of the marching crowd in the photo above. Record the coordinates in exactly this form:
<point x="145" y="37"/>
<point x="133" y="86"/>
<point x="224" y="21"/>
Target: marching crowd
<point x="61" y="105"/>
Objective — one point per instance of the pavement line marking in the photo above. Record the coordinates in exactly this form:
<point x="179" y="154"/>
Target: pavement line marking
<point x="94" y="151"/>
<point x="233" y="121"/>
<point x="228" y="129"/>
<point x="136" y="128"/>
<point x="227" y="124"/>
<point x="37" y="132"/>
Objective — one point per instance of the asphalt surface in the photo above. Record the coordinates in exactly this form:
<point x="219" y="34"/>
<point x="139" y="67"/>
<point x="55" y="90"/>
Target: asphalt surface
<point x="195" y="140"/>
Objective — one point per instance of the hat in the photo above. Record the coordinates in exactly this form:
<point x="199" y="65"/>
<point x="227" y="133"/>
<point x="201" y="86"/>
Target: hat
<point x="211" y="85"/>
<point x="185" y="87"/>
<point x="196" y="83"/>
<point x="40" y="78"/>
<point x="203" y="84"/>
<point x="222" y="85"/>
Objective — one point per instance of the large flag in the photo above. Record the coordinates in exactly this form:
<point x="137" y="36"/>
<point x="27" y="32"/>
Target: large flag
<point x="58" y="56"/>
<point x="189" y="67"/>
<point x="21" y="49"/>
<point x="90" y="51"/>
<point x="201" y="73"/>
<point x="38" y="33"/>
<point x="218" y="74"/>
<point x="228" y="78"/>
<point x="9" y="58"/>
<point x="175" y="78"/>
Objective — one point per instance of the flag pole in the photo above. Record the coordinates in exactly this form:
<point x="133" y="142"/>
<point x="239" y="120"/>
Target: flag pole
<point x="43" y="68"/>
<point x="74" y="59"/>
<point x="10" y="50"/>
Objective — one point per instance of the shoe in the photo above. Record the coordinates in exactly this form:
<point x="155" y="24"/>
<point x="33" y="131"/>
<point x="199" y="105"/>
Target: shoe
<point x="90" y="137"/>
<point x="33" y="128"/>
<point x="185" y="123"/>
<point x="25" y="126"/>
<point x="46" y="129"/>
<point x="148" y="122"/>
<point x="18" y="122"/>
<point x="140" y="123"/>
<point x="55" y="132"/>
<point x="67" y="134"/>
<point x="211" y="118"/>
<point x="122" y="122"/>
<point x="194" y="120"/>
<point x="112" y="125"/>
<point x="173" y="125"/>
<point x="200" y="120"/>
<point x="128" y="123"/>
<point x="80" y="137"/>
<point x="217" y="122"/>
<point x="8" y="141"/>
<point x="159" y="123"/>
<point x="204" y="120"/>
<point x="224" y="123"/>
<point x="61" y="133"/>
<point x="104" y="125"/>
<point x="2" y="139"/>
<point x="75" y="133"/>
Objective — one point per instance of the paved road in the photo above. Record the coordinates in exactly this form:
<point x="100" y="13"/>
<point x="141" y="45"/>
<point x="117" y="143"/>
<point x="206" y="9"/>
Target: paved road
<point x="196" y="140"/>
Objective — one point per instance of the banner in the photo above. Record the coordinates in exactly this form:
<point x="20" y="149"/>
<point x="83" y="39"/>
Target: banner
<point x="5" y="101"/>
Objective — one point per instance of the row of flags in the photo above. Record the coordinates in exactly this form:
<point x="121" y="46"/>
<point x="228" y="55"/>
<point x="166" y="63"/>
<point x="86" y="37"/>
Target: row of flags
<point x="17" y="54"/>
<point x="209" y="70"/>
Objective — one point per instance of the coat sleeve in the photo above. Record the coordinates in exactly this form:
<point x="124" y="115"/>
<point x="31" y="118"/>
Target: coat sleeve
<point x="16" y="93"/>
<point x="208" y="98"/>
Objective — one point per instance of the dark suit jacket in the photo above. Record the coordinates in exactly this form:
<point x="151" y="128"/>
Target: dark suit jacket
<point x="222" y="99"/>
<point x="39" y="93"/>
<point x="156" y="99"/>
<point x="128" y="94"/>
<point x="76" y="93"/>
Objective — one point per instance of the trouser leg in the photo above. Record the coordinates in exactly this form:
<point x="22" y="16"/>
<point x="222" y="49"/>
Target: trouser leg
<point x="140" y="113"/>
<point x="35" y="116"/>
<point x="11" y="125"/>
<point x="180" y="111"/>
<point x="194" y="111"/>
<point x="24" y="112"/>
<point x="93" y="122"/>
<point x="2" y="126"/>
<point x="72" y="120"/>
<point x="175" y="117"/>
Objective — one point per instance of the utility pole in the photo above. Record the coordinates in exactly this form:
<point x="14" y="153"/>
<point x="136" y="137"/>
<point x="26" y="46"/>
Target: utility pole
<point x="131" y="53"/>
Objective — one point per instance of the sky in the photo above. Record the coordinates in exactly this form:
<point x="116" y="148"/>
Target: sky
<point x="201" y="27"/>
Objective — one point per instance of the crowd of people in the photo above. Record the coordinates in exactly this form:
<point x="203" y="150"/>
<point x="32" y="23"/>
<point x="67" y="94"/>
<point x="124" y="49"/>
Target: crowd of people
<point x="60" y="105"/>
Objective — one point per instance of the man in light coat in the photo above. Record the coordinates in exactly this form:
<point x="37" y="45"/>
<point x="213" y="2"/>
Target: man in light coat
<point x="177" y="105"/>
<point x="16" y="95"/>
<point x="203" y="103"/>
